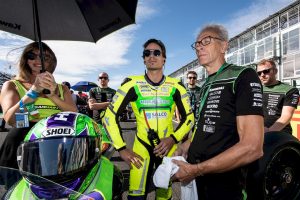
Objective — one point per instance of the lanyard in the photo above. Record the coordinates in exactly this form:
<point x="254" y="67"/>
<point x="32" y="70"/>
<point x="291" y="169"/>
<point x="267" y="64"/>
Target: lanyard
<point x="21" y="105"/>
<point x="203" y="99"/>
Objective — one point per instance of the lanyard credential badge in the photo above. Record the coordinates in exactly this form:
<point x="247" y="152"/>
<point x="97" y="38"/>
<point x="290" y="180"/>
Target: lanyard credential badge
<point x="22" y="119"/>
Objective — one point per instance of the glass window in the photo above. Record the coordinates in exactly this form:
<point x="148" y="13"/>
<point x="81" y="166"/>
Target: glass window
<point x="233" y="59"/>
<point x="288" y="66"/>
<point x="242" y="57"/>
<point x="246" y="39"/>
<point x="233" y="46"/>
<point x="249" y="54"/>
<point x="267" y="29"/>
<point x="247" y="57"/>
<point x="283" y="21"/>
<point x="294" y="40"/>
<point x="274" y="25"/>
<point x="260" y="52"/>
<point x="297" y="64"/>
<point x="288" y="70"/>
<point x="269" y="46"/>
<point x="284" y="43"/>
<point x="290" y="41"/>
<point x="294" y="44"/>
<point x="259" y="32"/>
<point x="293" y="16"/>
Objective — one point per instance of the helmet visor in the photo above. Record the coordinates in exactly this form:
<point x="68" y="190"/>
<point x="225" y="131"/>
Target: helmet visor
<point x="60" y="158"/>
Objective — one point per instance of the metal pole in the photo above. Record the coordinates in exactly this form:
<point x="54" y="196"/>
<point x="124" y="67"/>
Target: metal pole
<point x="38" y="31"/>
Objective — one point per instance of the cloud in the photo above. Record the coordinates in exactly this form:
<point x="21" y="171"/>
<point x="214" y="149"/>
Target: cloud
<point x="257" y="11"/>
<point x="80" y="58"/>
<point x="79" y="61"/>
<point x="146" y="9"/>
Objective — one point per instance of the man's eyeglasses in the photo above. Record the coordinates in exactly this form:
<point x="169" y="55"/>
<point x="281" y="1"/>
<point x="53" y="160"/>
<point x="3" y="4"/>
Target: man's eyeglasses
<point x="205" y="41"/>
<point x="265" y="71"/>
<point x="192" y="77"/>
<point x="147" y="53"/>
<point x="103" y="77"/>
<point x="33" y="56"/>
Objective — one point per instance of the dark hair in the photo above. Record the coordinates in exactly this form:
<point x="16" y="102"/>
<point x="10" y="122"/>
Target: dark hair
<point x="67" y="84"/>
<point x="25" y="70"/>
<point x="159" y="43"/>
<point x="192" y="72"/>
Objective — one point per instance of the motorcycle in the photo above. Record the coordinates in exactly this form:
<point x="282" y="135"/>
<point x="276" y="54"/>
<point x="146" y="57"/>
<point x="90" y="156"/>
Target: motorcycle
<point x="63" y="157"/>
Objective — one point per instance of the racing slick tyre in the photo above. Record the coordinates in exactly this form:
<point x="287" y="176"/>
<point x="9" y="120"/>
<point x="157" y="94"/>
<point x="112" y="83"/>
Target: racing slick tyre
<point x="276" y="176"/>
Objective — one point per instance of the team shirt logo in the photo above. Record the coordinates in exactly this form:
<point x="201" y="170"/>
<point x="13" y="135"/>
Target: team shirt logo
<point x="154" y="115"/>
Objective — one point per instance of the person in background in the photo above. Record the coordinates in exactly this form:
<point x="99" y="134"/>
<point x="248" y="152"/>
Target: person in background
<point x="23" y="98"/>
<point x="80" y="102"/>
<point x="153" y="97"/>
<point x="83" y="96"/>
<point x="279" y="99"/>
<point x="193" y="92"/>
<point x="100" y="97"/>
<point x="74" y="96"/>
<point x="229" y="132"/>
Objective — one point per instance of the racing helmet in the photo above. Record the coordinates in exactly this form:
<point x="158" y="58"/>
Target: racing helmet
<point x="61" y="148"/>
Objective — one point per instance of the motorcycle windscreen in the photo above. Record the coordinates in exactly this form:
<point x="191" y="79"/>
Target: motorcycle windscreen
<point x="58" y="159"/>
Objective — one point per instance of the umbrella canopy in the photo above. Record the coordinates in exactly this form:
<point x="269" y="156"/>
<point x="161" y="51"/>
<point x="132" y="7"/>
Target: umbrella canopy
<point x="84" y="86"/>
<point x="75" y="20"/>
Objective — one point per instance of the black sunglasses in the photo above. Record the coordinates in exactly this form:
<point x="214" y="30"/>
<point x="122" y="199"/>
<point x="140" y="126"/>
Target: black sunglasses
<point x="103" y="77"/>
<point x="192" y="77"/>
<point x="147" y="53"/>
<point x="265" y="71"/>
<point x="33" y="56"/>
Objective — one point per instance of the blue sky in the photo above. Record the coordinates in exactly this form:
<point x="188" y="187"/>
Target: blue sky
<point x="175" y="22"/>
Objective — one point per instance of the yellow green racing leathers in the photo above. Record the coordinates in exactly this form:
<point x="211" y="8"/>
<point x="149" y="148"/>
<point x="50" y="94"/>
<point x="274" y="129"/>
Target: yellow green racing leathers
<point x="153" y="105"/>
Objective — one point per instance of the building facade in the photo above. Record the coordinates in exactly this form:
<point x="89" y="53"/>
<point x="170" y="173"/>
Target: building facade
<point x="275" y="37"/>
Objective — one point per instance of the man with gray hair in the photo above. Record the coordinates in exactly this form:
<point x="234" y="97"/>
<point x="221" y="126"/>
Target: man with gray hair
<point x="229" y="132"/>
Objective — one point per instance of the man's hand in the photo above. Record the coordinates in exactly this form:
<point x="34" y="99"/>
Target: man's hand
<point x="182" y="149"/>
<point x="91" y="103"/>
<point x="163" y="148"/>
<point x="186" y="172"/>
<point x="131" y="158"/>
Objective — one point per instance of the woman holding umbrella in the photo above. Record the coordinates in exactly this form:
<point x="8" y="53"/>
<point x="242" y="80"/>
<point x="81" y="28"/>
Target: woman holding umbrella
<point x="24" y="103"/>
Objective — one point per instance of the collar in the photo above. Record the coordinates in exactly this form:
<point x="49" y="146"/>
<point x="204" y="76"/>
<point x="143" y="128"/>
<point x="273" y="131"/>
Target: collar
<point x="152" y="83"/>
<point x="222" y="68"/>
<point x="277" y="83"/>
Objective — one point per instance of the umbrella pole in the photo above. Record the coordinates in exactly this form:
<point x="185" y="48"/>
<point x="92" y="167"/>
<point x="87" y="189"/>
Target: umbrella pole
<point x="38" y="31"/>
